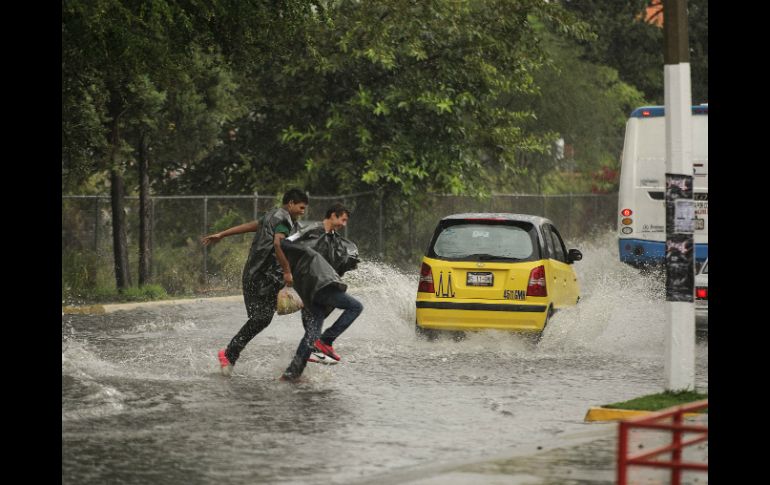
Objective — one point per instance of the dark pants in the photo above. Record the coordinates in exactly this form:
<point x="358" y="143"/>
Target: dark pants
<point x="327" y="297"/>
<point x="260" y="308"/>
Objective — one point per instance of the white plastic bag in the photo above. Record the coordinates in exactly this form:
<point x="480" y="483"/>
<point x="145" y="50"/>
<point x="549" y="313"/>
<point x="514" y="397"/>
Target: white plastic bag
<point x="288" y="301"/>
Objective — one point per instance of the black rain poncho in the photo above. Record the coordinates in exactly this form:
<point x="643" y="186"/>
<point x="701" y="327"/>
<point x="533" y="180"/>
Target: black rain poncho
<point x="318" y="259"/>
<point x="261" y="266"/>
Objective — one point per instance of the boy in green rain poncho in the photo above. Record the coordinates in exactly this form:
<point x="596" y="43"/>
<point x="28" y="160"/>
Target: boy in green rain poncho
<point x="264" y="272"/>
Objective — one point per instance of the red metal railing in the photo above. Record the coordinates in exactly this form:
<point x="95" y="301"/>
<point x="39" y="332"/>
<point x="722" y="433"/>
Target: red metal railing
<point x="653" y="421"/>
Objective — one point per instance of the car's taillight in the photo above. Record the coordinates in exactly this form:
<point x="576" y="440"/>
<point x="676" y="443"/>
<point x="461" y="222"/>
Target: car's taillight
<point x="702" y="293"/>
<point x="536" y="286"/>
<point x="426" y="280"/>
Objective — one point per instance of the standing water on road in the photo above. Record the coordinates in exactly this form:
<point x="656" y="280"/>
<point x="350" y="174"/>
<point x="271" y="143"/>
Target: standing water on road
<point x="143" y="400"/>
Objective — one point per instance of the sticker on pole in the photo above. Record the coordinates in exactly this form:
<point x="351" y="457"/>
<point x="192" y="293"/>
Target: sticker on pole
<point x="684" y="216"/>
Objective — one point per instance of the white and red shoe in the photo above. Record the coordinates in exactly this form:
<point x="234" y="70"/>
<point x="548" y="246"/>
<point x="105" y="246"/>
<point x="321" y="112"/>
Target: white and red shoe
<point x="319" y="358"/>
<point x="327" y="350"/>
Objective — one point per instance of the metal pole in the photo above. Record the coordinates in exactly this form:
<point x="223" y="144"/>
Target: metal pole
<point x="676" y="454"/>
<point x="96" y="225"/>
<point x="622" y="452"/>
<point x="596" y="209"/>
<point x="344" y="201"/>
<point x="205" y="229"/>
<point x="679" y="366"/>
<point x="152" y="234"/>
<point x="379" y="238"/>
<point x="569" y="216"/>
<point x="256" y="204"/>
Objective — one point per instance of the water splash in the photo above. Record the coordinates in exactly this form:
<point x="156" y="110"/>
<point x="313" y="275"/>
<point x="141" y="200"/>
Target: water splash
<point x="621" y="310"/>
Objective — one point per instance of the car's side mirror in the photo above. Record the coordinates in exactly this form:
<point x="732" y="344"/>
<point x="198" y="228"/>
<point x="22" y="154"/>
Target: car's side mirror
<point x="574" y="255"/>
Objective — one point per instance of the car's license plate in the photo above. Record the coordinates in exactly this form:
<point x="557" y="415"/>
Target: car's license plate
<point x="480" y="279"/>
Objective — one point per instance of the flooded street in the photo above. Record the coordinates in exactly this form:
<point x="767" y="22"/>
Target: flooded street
<point x="143" y="400"/>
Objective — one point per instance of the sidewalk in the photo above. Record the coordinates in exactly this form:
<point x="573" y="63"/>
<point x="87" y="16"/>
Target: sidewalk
<point x="113" y="307"/>
<point x="585" y="458"/>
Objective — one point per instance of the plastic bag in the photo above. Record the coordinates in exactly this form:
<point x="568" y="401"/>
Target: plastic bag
<point x="288" y="301"/>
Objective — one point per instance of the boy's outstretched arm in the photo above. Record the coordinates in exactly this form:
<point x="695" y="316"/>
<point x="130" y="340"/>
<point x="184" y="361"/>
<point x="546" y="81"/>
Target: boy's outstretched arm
<point x="252" y="226"/>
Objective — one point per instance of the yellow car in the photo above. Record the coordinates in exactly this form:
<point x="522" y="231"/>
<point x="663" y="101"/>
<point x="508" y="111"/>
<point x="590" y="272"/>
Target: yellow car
<point x="494" y="271"/>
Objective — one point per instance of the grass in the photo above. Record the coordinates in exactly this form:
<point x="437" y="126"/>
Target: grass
<point x="663" y="400"/>
<point x="103" y="294"/>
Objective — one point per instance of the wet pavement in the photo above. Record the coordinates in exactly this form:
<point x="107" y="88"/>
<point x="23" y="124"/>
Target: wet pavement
<point x="143" y="400"/>
<point x="583" y="458"/>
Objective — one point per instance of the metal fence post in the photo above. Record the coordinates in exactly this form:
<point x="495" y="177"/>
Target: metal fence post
<point x="205" y="229"/>
<point x="569" y="216"/>
<point x="96" y="225"/>
<point x="379" y="238"/>
<point x="256" y="204"/>
<point x="152" y="234"/>
<point x="345" y="203"/>
<point x="596" y="207"/>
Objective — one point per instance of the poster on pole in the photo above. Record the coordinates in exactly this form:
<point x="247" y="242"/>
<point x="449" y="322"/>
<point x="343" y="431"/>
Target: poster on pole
<point x="680" y="246"/>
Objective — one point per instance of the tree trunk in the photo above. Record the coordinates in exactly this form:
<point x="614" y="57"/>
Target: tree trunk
<point x="145" y="215"/>
<point x="119" y="240"/>
<point x="117" y="194"/>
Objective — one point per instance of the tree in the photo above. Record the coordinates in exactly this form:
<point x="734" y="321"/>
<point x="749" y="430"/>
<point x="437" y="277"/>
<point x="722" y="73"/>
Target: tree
<point x="698" y="32"/>
<point x="631" y="42"/>
<point x="127" y="67"/>
<point x="393" y="94"/>
<point x="624" y="41"/>
<point x="177" y="119"/>
<point x="99" y="51"/>
<point x="583" y="104"/>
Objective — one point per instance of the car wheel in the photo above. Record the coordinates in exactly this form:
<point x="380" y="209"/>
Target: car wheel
<point x="458" y="336"/>
<point x="425" y="333"/>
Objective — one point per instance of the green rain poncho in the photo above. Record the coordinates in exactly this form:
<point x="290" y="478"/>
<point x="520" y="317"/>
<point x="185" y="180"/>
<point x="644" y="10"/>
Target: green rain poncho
<point x="318" y="259"/>
<point x="262" y="267"/>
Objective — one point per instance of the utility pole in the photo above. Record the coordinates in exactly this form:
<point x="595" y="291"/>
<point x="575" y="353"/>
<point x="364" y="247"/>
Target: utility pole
<point x="679" y="366"/>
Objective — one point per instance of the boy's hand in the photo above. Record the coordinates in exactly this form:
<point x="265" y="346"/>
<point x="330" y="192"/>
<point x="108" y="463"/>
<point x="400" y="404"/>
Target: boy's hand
<point x="211" y="239"/>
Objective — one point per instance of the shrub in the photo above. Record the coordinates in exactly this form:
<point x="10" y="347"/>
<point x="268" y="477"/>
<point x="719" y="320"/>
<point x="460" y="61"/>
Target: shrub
<point x="144" y="293"/>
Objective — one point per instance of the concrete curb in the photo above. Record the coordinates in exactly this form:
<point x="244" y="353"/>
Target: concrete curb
<point x="608" y="414"/>
<point x="113" y="307"/>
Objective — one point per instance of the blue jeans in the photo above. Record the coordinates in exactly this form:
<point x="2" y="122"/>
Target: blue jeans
<point x="328" y="297"/>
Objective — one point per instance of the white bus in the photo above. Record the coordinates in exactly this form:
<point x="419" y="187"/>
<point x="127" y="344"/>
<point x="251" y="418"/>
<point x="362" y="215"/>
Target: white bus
<point x="641" y="196"/>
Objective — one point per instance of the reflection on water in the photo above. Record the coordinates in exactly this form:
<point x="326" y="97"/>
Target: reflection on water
<point x="143" y="401"/>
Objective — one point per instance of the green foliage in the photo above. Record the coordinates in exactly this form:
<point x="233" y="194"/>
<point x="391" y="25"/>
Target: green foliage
<point x="404" y="96"/>
<point x="145" y="293"/>
<point x="698" y="33"/>
<point x="110" y="294"/>
<point x="229" y="219"/>
<point x="79" y="272"/>
<point x="178" y="269"/>
<point x="625" y="42"/>
<point x="634" y="48"/>
<point x="226" y="260"/>
<point x="656" y="402"/>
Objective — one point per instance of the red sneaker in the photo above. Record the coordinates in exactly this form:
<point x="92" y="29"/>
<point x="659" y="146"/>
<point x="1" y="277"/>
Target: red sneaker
<point x="227" y="367"/>
<point x="326" y="349"/>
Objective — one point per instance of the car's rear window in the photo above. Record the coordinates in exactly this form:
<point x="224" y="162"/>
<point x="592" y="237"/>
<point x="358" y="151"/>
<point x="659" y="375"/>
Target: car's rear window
<point x="484" y="242"/>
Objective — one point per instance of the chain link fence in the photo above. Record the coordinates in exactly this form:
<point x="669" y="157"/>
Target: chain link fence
<point x="391" y="229"/>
